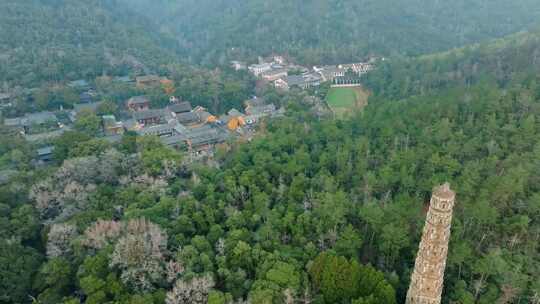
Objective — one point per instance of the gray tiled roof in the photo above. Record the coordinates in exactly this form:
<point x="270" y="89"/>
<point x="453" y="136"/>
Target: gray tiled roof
<point x="174" y="140"/>
<point x="138" y="100"/>
<point x="197" y="136"/>
<point x="45" y="150"/>
<point x="86" y="106"/>
<point x="275" y="72"/>
<point x="123" y="79"/>
<point x="157" y="129"/>
<point x="234" y="113"/>
<point x="256" y="101"/>
<point x="206" y="135"/>
<point x="225" y="118"/>
<point x="148" y="114"/>
<point x="180" y="128"/>
<point x="194" y="132"/>
<point x="203" y="116"/>
<point x="45" y="136"/>
<point x="180" y="107"/>
<point x="81" y="83"/>
<point x="299" y="80"/>
<point x="148" y="78"/>
<point x="294" y="80"/>
<point x="13" y="122"/>
<point x="39" y="118"/>
<point x="4" y="96"/>
<point x="264" y="109"/>
<point x="187" y="117"/>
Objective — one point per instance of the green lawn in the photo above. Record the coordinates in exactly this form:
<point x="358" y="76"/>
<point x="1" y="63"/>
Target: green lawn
<point x="345" y="101"/>
<point x="342" y="97"/>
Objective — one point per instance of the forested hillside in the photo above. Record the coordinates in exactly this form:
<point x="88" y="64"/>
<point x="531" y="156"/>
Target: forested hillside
<point x="309" y="211"/>
<point x="324" y="31"/>
<point x="54" y="40"/>
<point x="503" y="62"/>
<point x="58" y="40"/>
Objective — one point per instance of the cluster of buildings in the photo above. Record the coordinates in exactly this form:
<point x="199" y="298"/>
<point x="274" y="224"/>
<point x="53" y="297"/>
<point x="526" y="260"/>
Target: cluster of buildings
<point x="5" y="100"/>
<point x="193" y="129"/>
<point x="178" y="125"/>
<point x="283" y="75"/>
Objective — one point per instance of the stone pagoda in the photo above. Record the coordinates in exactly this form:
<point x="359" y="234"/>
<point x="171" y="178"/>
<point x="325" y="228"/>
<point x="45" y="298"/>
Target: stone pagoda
<point x="428" y="275"/>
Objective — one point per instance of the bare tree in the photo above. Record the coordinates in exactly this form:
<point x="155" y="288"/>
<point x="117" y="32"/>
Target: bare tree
<point x="139" y="254"/>
<point x="59" y="240"/>
<point x="174" y="269"/>
<point x="194" y="291"/>
<point x="102" y="233"/>
<point x="69" y="189"/>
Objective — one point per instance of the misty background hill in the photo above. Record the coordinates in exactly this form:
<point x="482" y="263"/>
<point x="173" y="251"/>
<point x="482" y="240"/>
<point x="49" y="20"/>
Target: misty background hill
<point x="49" y="40"/>
<point x="315" y="31"/>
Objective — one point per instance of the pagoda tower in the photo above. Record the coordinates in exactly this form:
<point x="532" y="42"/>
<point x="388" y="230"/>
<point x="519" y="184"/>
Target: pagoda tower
<point x="428" y="275"/>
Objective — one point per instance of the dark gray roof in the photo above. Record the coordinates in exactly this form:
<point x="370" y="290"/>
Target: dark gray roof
<point x="256" y="101"/>
<point x="299" y="80"/>
<point x="6" y="175"/>
<point x="295" y="80"/>
<point x="203" y="115"/>
<point x="264" y="109"/>
<point x="78" y="83"/>
<point x="39" y="118"/>
<point x="187" y="118"/>
<point x="199" y="130"/>
<point x="148" y="114"/>
<point x="208" y="139"/>
<point x="174" y="140"/>
<point x="206" y="135"/>
<point x="180" y="129"/>
<point x="275" y="71"/>
<point x="130" y="124"/>
<point x="180" y="107"/>
<point x="45" y="150"/>
<point x="85" y="97"/>
<point x="157" y="129"/>
<point x="109" y="121"/>
<point x="148" y="78"/>
<point x="264" y="65"/>
<point x="13" y="122"/>
<point x="126" y="79"/>
<point x="138" y="100"/>
<point x="46" y="136"/>
<point x="225" y="118"/>
<point x="86" y="106"/>
<point x="234" y="113"/>
<point x="197" y="136"/>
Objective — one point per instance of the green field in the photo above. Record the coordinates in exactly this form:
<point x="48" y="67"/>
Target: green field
<point x="342" y="97"/>
<point x="346" y="100"/>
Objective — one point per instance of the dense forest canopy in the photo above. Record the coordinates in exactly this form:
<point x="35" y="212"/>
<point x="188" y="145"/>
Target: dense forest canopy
<point x="54" y="40"/>
<point x="503" y="61"/>
<point x="309" y="211"/>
